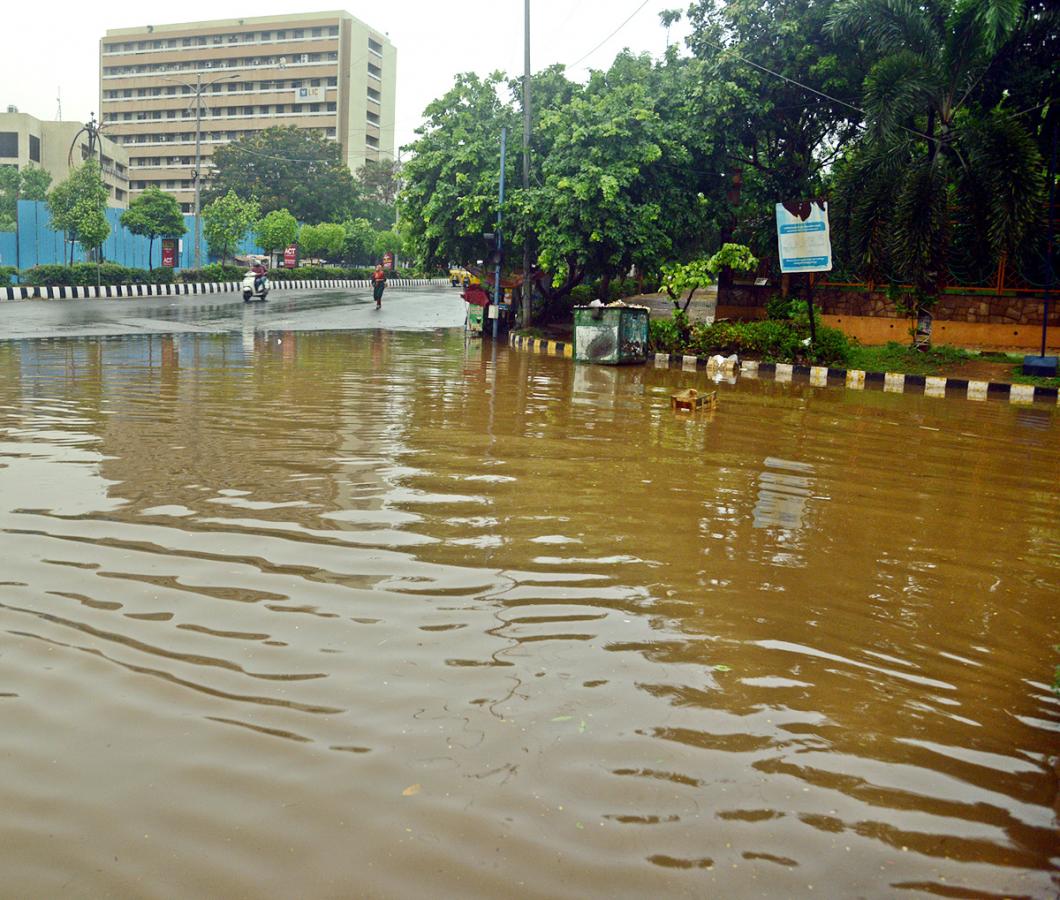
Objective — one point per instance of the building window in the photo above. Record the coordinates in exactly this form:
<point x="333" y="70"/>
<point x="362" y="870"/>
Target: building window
<point x="9" y="144"/>
<point x="375" y="46"/>
<point x="373" y="94"/>
<point x="374" y="70"/>
<point x="34" y="148"/>
<point x="372" y="142"/>
<point x="333" y="31"/>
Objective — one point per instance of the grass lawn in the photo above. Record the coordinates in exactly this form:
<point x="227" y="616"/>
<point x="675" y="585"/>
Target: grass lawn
<point x="895" y="357"/>
<point x="945" y="360"/>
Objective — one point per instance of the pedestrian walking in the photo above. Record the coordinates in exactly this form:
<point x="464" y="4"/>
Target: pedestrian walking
<point x="378" y="285"/>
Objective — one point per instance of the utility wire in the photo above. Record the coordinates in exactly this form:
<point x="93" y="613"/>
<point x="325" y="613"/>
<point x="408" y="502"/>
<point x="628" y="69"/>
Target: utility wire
<point x="806" y="87"/>
<point x="611" y="35"/>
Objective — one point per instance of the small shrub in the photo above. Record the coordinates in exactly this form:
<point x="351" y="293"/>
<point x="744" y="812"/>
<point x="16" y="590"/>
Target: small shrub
<point x="582" y="295"/>
<point x="770" y="340"/>
<point x="832" y="347"/>
<point x="87" y="273"/>
<point x="212" y="273"/>
<point x="7" y="275"/>
<point x="778" y="307"/>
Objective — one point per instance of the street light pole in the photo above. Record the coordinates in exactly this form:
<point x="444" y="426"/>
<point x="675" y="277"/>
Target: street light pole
<point x="527" y="292"/>
<point x="198" y="163"/>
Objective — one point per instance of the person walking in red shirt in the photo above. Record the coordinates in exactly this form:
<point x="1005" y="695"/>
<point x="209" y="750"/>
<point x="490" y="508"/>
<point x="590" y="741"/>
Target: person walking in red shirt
<point x="378" y="285"/>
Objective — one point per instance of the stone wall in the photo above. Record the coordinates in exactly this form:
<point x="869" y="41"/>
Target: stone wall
<point x="1024" y="309"/>
<point x="748" y="301"/>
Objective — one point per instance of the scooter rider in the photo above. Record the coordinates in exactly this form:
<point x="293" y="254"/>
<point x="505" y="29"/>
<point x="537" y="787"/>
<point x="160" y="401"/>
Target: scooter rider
<point x="259" y="271"/>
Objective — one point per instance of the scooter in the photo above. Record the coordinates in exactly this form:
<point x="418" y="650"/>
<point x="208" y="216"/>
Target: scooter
<point x="252" y="292"/>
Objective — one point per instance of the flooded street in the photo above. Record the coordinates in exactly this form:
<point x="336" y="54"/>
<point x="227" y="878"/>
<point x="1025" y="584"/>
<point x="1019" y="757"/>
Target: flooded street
<point x="373" y="614"/>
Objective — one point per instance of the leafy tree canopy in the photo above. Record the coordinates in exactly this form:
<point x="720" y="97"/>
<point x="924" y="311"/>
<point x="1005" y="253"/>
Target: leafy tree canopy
<point x="226" y="222"/>
<point x="451" y="184"/>
<point x="31" y="183"/>
<point x="285" y="168"/>
<point x="940" y="178"/>
<point x="277" y="230"/>
<point x="325" y="240"/>
<point x="78" y="205"/>
<point x="154" y="214"/>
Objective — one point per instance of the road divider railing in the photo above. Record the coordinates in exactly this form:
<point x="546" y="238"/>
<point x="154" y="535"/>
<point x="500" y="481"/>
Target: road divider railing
<point x="122" y="291"/>
<point x="825" y="376"/>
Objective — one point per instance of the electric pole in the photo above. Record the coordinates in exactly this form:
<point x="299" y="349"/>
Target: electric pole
<point x="524" y="310"/>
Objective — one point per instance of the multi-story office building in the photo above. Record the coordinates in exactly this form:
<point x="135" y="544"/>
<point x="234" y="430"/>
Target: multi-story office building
<point x="57" y="146"/>
<point x="326" y="71"/>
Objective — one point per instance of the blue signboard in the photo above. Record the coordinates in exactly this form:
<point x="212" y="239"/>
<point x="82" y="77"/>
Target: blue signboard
<point x="803" y="236"/>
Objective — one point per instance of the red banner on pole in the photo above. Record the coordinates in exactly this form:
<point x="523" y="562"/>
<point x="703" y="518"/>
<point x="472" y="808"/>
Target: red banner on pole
<point x="388" y="260"/>
<point x="290" y="257"/>
<point x="169" y="253"/>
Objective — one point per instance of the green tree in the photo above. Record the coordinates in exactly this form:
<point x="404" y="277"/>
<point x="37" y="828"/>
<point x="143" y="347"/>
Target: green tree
<point x="450" y="186"/>
<point x="78" y="205"/>
<point x="226" y="222"/>
<point x="285" y="168"/>
<point x="358" y="241"/>
<point x="937" y="175"/>
<point x="324" y="240"/>
<point x="380" y="180"/>
<point x="680" y="277"/>
<point x="764" y="137"/>
<point x="277" y="230"/>
<point x="154" y="214"/>
<point x="9" y="190"/>
<point x="613" y="190"/>
<point x="388" y="241"/>
<point x="34" y="183"/>
<point x="31" y="183"/>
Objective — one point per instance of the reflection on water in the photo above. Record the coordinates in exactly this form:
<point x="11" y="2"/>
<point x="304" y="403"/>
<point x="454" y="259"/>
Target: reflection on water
<point x="382" y="615"/>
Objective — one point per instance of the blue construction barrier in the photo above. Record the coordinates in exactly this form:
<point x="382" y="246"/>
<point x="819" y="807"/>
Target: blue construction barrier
<point x="36" y="243"/>
<point x="8" y="249"/>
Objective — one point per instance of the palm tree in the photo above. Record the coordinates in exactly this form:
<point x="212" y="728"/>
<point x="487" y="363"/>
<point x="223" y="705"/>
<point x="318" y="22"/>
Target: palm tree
<point x="937" y="174"/>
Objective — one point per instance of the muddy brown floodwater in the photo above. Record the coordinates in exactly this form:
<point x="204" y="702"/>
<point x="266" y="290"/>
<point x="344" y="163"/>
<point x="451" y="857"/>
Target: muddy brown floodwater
<point x="375" y="615"/>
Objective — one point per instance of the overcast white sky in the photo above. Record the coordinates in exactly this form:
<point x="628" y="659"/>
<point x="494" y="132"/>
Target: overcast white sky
<point x="52" y="47"/>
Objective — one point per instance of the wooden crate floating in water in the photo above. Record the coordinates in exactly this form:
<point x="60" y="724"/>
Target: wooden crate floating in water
<point x="691" y="400"/>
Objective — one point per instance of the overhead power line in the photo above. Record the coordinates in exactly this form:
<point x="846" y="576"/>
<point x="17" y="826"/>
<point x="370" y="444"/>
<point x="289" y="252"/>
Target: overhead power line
<point x="611" y="35"/>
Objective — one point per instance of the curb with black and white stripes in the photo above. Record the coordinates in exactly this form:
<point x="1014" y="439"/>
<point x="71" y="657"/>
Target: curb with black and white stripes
<point x="117" y="291"/>
<point x="823" y="376"/>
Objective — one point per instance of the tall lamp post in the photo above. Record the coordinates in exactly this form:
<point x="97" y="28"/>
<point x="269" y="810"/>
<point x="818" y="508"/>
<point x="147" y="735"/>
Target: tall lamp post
<point x="527" y="292"/>
<point x="196" y="175"/>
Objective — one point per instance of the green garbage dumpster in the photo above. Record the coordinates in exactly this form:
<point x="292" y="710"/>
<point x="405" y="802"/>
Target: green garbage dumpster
<point x="611" y="335"/>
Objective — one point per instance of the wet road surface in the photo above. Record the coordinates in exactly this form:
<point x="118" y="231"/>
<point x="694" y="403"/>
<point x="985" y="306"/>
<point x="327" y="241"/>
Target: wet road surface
<point x="317" y="310"/>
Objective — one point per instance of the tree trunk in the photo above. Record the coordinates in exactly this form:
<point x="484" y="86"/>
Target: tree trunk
<point x="605" y="287"/>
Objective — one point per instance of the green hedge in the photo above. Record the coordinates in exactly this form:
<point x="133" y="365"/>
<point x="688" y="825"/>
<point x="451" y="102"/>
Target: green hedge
<point x="111" y="274"/>
<point x="89" y="274"/>
<point x="214" y="273"/>
<point x="771" y="340"/>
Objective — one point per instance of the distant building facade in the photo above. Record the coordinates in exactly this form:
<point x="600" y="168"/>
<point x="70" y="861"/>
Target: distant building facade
<point x="28" y="141"/>
<point x="323" y="71"/>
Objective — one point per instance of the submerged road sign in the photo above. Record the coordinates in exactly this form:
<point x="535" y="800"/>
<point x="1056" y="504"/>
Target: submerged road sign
<point x="803" y="236"/>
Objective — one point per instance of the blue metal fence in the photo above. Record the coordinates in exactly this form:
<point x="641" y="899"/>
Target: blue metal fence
<point x="36" y="243"/>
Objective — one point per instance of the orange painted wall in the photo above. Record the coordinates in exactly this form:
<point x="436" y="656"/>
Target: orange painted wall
<point x="979" y="335"/>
